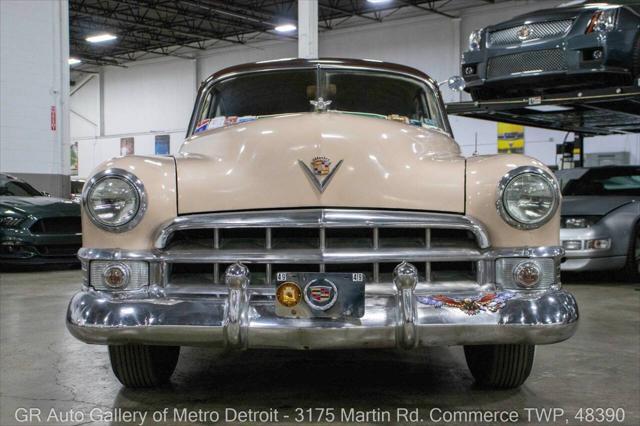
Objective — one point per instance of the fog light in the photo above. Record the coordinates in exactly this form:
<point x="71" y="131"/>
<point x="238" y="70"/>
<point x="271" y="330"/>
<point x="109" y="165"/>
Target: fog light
<point x="600" y="244"/>
<point x="597" y="54"/>
<point x="469" y="70"/>
<point x="527" y="274"/>
<point x="117" y="276"/>
<point x="288" y="294"/>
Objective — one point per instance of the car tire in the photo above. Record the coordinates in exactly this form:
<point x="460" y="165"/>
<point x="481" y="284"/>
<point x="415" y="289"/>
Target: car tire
<point x="143" y="366"/>
<point x="500" y="366"/>
<point x="631" y="271"/>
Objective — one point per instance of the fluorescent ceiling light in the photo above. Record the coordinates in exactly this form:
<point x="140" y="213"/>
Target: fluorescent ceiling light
<point x="549" y="108"/>
<point x="285" y="28"/>
<point x="378" y="1"/>
<point x="100" y="38"/>
<point x="74" y="61"/>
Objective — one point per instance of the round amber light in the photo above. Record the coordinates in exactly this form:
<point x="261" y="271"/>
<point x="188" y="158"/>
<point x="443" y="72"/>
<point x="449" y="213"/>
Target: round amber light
<point x="116" y="276"/>
<point x="527" y="274"/>
<point x="289" y="294"/>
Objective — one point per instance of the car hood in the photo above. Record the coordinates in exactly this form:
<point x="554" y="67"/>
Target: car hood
<point x="40" y="206"/>
<point x="593" y="205"/>
<point x="261" y="165"/>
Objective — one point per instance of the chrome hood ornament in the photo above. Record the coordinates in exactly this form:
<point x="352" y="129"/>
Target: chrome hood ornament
<point x="320" y="173"/>
<point x="320" y="105"/>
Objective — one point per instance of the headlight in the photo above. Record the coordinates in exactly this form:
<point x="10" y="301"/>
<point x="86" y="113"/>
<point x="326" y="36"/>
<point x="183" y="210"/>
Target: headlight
<point x="603" y="20"/>
<point x="528" y="197"/>
<point x="573" y="222"/>
<point x="474" y="39"/>
<point x="10" y="221"/>
<point x="115" y="200"/>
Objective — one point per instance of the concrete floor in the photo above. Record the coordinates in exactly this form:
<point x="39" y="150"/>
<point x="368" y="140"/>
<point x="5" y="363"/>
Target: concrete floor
<point x="42" y="366"/>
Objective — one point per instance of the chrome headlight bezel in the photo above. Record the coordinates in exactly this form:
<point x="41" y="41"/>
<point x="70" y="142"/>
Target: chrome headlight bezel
<point x="138" y="189"/>
<point x="508" y="178"/>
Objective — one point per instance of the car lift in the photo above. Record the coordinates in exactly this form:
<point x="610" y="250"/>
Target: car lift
<point x="591" y="112"/>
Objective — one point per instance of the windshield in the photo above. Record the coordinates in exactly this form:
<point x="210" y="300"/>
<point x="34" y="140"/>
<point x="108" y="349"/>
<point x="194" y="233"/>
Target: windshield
<point x="384" y="95"/>
<point x="610" y="181"/>
<point x="10" y="187"/>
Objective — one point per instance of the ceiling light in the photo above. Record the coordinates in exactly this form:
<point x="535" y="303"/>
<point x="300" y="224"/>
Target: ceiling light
<point x="100" y="38"/>
<point x="285" y="28"/>
<point x="74" y="61"/>
<point x="378" y="1"/>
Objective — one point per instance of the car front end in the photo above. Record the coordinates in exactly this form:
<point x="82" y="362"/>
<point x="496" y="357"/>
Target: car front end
<point x="552" y="49"/>
<point x="36" y="229"/>
<point x="327" y="229"/>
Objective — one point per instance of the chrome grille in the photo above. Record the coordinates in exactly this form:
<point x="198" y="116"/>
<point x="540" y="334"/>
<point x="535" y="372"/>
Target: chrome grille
<point x="537" y="31"/>
<point x="444" y="247"/>
<point x="526" y="62"/>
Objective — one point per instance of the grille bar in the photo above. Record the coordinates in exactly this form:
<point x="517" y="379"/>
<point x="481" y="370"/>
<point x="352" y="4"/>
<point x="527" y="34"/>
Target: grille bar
<point x="526" y="62"/>
<point x="373" y="242"/>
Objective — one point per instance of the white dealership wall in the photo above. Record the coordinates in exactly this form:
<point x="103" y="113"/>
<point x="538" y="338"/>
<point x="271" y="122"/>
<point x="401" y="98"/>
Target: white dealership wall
<point x="156" y="96"/>
<point x="34" y="78"/>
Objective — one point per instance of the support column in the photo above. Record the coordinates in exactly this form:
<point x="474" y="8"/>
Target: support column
<point x="308" y="29"/>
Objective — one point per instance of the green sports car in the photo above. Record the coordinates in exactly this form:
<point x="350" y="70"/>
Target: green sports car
<point x="36" y="229"/>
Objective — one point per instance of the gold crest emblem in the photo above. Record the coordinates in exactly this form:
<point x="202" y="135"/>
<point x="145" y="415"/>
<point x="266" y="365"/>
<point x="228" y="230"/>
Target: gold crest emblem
<point x="320" y="173"/>
<point x="321" y="166"/>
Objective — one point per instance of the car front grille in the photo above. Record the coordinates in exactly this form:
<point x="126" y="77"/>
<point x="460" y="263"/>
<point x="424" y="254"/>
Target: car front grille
<point x="443" y="247"/>
<point x="538" y="31"/>
<point x="57" y="225"/>
<point x="526" y="62"/>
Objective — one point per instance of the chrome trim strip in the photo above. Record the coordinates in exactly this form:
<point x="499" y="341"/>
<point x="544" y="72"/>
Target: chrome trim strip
<point x="322" y="218"/>
<point x="129" y="178"/>
<point x="507" y="178"/>
<point x="334" y="255"/>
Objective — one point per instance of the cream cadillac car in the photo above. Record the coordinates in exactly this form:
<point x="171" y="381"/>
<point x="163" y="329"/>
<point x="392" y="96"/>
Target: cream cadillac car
<point x="321" y="204"/>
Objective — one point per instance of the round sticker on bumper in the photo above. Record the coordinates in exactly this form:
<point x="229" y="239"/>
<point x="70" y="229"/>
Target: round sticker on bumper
<point x="320" y="294"/>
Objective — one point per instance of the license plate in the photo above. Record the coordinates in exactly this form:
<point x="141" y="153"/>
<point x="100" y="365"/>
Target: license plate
<point x="320" y="294"/>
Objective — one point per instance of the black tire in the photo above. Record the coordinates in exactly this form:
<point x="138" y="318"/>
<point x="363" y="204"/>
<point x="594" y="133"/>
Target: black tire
<point x="500" y="366"/>
<point x="143" y="366"/>
<point x="631" y="271"/>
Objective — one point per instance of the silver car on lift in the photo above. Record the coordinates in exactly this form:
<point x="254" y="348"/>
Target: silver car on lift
<point x="600" y="220"/>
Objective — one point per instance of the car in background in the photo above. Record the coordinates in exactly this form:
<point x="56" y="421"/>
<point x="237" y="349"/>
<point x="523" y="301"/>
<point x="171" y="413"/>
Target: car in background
<point x="36" y="228"/>
<point x="77" y="184"/>
<point x="578" y="44"/>
<point x="600" y="221"/>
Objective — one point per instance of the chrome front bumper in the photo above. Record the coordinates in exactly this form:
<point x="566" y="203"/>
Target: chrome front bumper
<point x="399" y="311"/>
<point x="240" y="317"/>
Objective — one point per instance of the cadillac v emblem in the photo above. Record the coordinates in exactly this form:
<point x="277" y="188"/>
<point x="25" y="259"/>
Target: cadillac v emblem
<point x="320" y="294"/>
<point x="524" y="33"/>
<point x="320" y="173"/>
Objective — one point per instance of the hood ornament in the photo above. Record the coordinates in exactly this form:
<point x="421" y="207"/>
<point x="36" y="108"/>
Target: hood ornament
<point x="320" y="172"/>
<point x="320" y="104"/>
